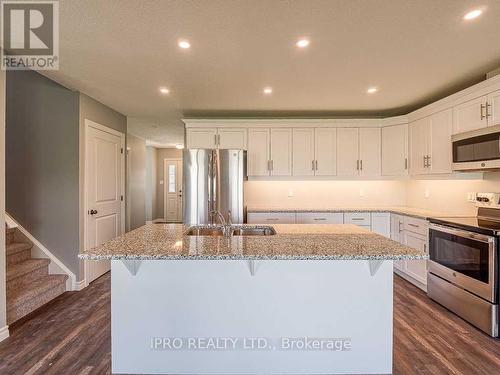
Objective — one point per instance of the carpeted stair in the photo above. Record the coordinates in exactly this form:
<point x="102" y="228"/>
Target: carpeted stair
<point x="29" y="285"/>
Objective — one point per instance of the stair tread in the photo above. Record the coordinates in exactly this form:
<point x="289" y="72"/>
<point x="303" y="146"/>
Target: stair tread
<point x="23" y="294"/>
<point x="24" y="267"/>
<point x="17" y="247"/>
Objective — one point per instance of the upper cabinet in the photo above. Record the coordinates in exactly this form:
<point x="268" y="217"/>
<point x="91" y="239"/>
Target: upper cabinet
<point x="269" y="152"/>
<point x="222" y="138"/>
<point x="395" y="150"/>
<point x="201" y="138"/>
<point x="325" y="151"/>
<point x="303" y="152"/>
<point x="347" y="152"/>
<point x="258" y="160"/>
<point x="358" y="151"/>
<point x="477" y="113"/>
<point x="370" y="152"/>
<point x="494" y="108"/>
<point x="314" y="152"/>
<point x="281" y="152"/>
<point x="430" y="144"/>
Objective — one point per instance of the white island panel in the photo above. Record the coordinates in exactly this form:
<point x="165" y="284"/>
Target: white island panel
<point x="344" y="303"/>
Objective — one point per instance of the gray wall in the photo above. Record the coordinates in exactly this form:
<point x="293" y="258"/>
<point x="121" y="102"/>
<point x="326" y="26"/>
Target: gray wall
<point x="3" y="309"/>
<point x="42" y="188"/>
<point x="163" y="153"/>
<point x="136" y="182"/>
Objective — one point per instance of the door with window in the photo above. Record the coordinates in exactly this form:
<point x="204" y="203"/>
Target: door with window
<point x="173" y="190"/>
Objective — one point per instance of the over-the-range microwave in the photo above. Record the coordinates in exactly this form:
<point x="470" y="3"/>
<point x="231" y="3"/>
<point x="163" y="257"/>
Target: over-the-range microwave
<point x="477" y="150"/>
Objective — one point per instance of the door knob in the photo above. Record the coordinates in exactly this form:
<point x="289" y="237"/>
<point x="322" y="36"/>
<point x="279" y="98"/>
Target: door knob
<point x="93" y="212"/>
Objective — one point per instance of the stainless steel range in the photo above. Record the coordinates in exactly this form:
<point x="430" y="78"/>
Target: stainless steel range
<point x="464" y="264"/>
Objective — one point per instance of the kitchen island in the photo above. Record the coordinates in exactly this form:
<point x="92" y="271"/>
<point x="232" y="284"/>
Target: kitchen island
<point x="310" y="299"/>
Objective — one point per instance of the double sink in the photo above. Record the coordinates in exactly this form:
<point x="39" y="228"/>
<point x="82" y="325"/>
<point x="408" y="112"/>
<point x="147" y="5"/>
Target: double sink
<point x="234" y="230"/>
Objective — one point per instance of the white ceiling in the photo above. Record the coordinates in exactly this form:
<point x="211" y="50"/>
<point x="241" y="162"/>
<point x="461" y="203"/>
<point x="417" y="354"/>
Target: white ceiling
<point x="120" y="52"/>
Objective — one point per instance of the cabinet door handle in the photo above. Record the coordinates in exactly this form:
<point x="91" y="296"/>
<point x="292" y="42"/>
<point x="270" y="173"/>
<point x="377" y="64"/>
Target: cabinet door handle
<point x="425" y="247"/>
<point x="406" y="163"/>
<point x="312" y="167"/>
<point x="428" y="161"/>
<point x="357" y="165"/>
<point x="488" y="114"/>
<point x="272" y="164"/>
<point x="361" y="164"/>
<point x="400" y="230"/>
<point x="482" y="114"/>
<point x="215" y="139"/>
<point x="425" y="165"/>
<point x="316" y="164"/>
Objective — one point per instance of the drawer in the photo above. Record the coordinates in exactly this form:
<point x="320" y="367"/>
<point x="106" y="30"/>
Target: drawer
<point x="415" y="225"/>
<point x="271" y="217"/>
<point x="319" y="218"/>
<point x="358" y="218"/>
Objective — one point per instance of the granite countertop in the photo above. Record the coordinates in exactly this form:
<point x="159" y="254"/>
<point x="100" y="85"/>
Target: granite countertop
<point x="408" y="211"/>
<point x="291" y="242"/>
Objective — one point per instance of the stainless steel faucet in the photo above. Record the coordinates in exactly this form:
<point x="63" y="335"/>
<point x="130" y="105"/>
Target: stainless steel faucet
<point x="226" y="225"/>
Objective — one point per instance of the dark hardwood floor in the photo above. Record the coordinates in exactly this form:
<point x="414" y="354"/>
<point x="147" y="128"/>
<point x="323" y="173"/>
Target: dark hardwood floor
<point x="71" y="335"/>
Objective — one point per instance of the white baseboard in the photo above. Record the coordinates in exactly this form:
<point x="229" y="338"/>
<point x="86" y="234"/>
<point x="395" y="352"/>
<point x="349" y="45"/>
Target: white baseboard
<point x="40" y="251"/>
<point x="79" y="285"/>
<point x="4" y="333"/>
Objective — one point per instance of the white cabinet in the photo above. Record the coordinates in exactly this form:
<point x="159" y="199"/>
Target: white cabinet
<point x="269" y="152"/>
<point x="418" y="146"/>
<point x="325" y="151"/>
<point x="361" y="219"/>
<point x="271" y="217"/>
<point x="258" y="160"/>
<point x="381" y="223"/>
<point x="395" y="150"/>
<point x="222" y="138"/>
<point x="470" y="115"/>
<point x="430" y="144"/>
<point x="417" y="269"/>
<point x="281" y="152"/>
<point x="347" y="152"/>
<point x="319" y="218"/>
<point x="397" y="230"/>
<point x="439" y="146"/>
<point x="303" y="152"/>
<point x="201" y="138"/>
<point x="235" y="138"/>
<point x="369" y="151"/>
<point x="493" y="110"/>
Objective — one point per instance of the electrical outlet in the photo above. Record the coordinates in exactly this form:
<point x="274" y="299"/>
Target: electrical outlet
<point x="361" y="193"/>
<point x="427" y="194"/>
<point x="291" y="193"/>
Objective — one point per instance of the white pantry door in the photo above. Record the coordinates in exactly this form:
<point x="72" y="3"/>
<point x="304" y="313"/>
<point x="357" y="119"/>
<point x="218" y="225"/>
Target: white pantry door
<point x="173" y="190"/>
<point x="103" y="176"/>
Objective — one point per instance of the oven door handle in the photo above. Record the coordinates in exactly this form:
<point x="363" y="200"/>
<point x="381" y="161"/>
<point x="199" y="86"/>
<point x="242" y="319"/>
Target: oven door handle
<point x="463" y="233"/>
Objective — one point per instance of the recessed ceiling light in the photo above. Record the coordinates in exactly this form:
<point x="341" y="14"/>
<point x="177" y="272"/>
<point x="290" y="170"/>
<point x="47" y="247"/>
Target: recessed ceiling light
<point x="372" y="90"/>
<point x="179" y="146"/>
<point x="184" y="44"/>
<point x="164" y="90"/>
<point x="268" y="90"/>
<point x="302" y="43"/>
<point x="473" y="14"/>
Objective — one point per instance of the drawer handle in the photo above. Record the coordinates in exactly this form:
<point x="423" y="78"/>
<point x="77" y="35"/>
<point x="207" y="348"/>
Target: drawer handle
<point x="414" y="225"/>
<point x="272" y="219"/>
<point x="320" y="218"/>
<point x="358" y="218"/>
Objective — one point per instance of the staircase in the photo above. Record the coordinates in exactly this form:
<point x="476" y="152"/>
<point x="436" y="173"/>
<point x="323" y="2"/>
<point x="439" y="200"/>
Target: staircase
<point x="29" y="285"/>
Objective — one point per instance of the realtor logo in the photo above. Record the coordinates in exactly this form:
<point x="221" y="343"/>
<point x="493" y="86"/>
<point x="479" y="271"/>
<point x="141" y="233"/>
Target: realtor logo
<point x="30" y="35"/>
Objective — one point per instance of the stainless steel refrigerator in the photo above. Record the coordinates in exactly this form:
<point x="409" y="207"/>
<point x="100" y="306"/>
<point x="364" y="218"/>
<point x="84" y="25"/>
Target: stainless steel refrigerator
<point x="213" y="182"/>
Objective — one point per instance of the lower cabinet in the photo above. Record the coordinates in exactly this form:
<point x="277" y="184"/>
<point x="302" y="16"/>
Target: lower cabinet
<point x="381" y="223"/>
<point x="412" y="232"/>
<point x="271" y="217"/>
<point x="319" y="218"/>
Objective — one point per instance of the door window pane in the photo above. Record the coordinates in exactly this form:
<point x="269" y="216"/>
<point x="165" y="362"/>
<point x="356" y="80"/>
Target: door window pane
<point x="171" y="178"/>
